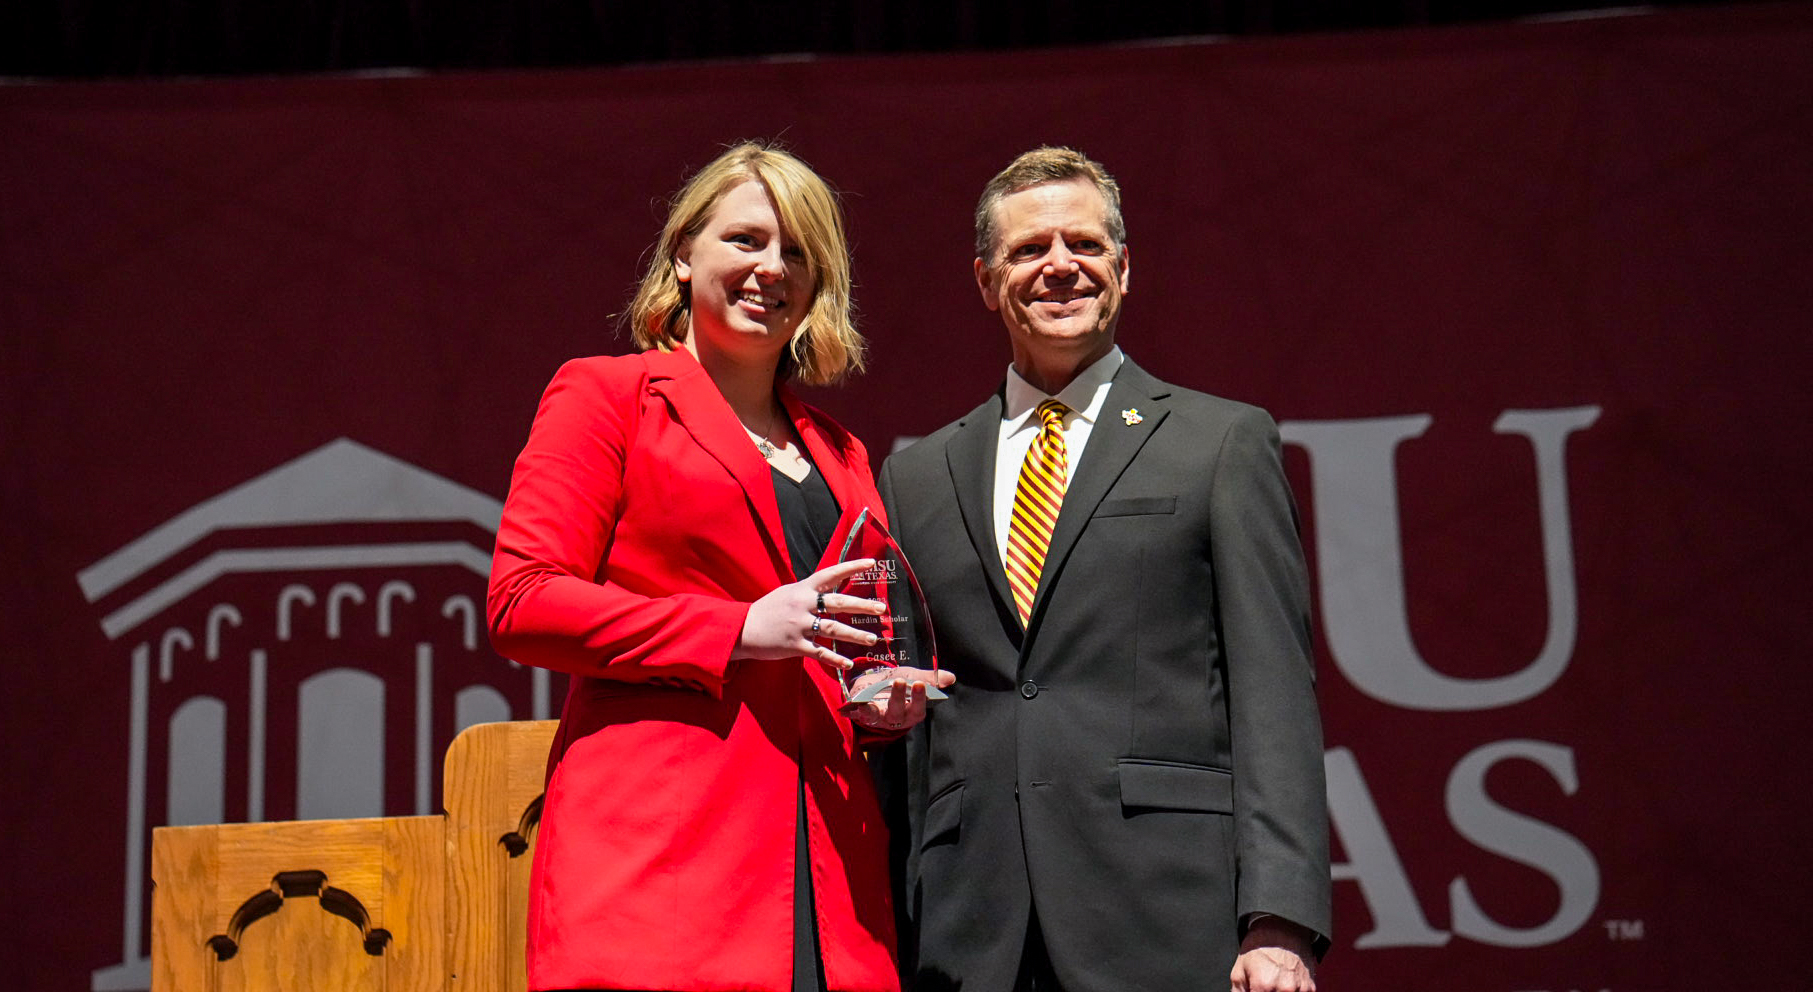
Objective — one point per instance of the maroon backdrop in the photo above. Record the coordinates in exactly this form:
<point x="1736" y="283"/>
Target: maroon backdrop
<point x="1562" y="666"/>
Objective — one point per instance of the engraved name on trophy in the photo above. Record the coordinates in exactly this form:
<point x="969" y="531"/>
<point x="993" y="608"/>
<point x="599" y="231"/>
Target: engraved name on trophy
<point x="904" y="628"/>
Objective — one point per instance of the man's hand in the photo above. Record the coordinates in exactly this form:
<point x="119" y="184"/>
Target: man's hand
<point x="900" y="705"/>
<point x="1274" y="957"/>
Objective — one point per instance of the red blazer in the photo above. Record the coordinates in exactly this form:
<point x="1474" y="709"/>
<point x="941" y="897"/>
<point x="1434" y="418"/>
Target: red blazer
<point x="641" y="523"/>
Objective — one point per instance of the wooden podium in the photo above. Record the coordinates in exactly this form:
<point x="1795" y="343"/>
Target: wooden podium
<point x="390" y="904"/>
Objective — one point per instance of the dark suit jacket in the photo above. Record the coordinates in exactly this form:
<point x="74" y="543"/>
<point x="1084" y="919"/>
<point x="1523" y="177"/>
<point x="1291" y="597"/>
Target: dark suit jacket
<point x="1143" y="762"/>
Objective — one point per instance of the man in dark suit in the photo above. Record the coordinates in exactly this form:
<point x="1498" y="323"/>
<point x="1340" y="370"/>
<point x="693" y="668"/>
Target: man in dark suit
<point x="1125" y="789"/>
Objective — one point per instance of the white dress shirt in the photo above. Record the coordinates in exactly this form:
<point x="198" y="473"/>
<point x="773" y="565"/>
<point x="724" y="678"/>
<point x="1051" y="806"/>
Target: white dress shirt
<point x="1084" y="396"/>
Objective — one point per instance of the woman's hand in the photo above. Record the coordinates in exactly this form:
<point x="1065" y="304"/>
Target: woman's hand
<point x="900" y="705"/>
<point x="783" y="623"/>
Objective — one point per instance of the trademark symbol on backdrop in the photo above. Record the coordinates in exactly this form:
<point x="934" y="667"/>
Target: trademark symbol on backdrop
<point x="1622" y="930"/>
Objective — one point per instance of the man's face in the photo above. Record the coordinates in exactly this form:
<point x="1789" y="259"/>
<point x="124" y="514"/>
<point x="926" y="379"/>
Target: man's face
<point x="1056" y="276"/>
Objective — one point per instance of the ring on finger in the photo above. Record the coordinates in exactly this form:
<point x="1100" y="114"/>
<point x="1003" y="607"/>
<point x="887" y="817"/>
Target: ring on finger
<point x="815" y="622"/>
<point x="820" y="608"/>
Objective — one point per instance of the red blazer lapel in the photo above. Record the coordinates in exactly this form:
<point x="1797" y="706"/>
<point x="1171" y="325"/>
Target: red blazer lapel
<point x="706" y="415"/>
<point x="833" y="456"/>
<point x="846" y="471"/>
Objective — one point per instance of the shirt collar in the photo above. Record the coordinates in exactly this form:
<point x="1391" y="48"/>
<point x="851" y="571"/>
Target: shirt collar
<point x="1085" y="394"/>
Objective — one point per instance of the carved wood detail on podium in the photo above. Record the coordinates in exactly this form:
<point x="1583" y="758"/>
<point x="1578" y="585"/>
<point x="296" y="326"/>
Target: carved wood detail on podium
<point x="494" y="784"/>
<point x="435" y="903"/>
<point x="517" y="841"/>
<point x="291" y="884"/>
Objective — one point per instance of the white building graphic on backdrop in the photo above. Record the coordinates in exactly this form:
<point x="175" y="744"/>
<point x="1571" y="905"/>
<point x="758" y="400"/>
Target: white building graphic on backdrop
<point x="295" y="603"/>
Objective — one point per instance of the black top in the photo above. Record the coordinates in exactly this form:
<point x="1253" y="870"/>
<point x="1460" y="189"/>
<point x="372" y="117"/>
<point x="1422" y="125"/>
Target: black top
<point x="808" y="517"/>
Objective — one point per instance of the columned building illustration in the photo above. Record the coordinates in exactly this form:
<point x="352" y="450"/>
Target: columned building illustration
<point x="301" y="646"/>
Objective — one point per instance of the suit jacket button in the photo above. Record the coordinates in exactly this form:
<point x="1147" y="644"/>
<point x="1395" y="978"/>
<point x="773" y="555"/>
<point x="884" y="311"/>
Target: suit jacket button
<point x="1029" y="689"/>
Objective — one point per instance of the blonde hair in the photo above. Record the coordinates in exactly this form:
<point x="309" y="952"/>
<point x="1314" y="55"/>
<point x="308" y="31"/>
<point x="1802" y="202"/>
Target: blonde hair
<point x="1049" y="164"/>
<point x="825" y="346"/>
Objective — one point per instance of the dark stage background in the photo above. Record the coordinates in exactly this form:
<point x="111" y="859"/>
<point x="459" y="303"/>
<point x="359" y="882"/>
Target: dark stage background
<point x="1530" y="300"/>
<point x="89" y="38"/>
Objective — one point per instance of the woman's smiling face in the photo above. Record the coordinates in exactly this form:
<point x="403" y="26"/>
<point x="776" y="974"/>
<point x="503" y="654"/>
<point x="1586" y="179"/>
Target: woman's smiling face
<point x="747" y="279"/>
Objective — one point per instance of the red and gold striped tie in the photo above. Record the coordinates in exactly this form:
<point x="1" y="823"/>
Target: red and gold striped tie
<point x="1036" y="502"/>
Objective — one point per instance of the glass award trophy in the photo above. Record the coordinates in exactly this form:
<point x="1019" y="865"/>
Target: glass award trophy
<point x="904" y="629"/>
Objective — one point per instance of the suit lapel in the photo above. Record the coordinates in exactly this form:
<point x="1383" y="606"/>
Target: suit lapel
<point x="1112" y="444"/>
<point x="706" y="415"/>
<point x="971" y="457"/>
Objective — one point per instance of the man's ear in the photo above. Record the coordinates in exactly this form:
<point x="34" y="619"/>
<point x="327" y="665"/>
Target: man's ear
<point x="1126" y="269"/>
<point x="985" y="281"/>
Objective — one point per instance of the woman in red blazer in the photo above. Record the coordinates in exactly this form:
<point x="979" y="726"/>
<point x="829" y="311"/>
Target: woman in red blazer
<point x="644" y="550"/>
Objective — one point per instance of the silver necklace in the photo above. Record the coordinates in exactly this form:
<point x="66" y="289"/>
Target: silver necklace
<point x="762" y="444"/>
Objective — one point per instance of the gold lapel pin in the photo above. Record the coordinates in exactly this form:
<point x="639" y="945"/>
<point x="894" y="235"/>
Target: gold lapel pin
<point x="1131" y="416"/>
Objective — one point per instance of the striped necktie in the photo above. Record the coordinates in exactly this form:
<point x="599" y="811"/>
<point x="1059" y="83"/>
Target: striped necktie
<point x="1036" y="502"/>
